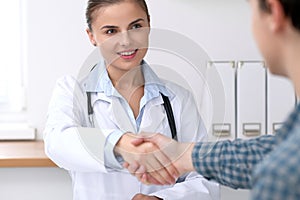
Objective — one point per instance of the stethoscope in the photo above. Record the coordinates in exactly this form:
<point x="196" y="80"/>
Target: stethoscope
<point x="167" y="106"/>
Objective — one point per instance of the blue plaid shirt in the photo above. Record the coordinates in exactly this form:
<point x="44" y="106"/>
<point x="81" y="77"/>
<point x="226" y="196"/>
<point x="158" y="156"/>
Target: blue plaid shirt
<point x="270" y="165"/>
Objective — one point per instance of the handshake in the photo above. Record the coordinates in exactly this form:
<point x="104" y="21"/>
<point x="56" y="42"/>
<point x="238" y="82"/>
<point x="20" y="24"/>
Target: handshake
<point x="155" y="158"/>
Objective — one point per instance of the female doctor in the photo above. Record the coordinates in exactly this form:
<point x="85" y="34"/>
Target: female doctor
<point x="91" y="122"/>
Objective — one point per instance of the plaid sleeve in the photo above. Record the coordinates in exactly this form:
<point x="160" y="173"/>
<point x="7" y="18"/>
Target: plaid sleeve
<point x="278" y="176"/>
<point x="231" y="162"/>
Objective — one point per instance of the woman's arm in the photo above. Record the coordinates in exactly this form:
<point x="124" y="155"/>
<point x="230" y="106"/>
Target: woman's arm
<point x="65" y="126"/>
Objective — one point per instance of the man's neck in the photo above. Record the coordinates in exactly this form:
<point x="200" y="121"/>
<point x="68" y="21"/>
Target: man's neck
<point x="292" y="63"/>
<point x="290" y="56"/>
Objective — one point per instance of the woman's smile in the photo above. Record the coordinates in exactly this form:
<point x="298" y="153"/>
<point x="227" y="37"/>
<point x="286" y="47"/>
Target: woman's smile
<point x="128" y="54"/>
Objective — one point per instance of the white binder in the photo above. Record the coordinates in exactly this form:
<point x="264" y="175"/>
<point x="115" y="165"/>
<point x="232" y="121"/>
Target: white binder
<point x="223" y="119"/>
<point x="251" y="99"/>
<point x="281" y="100"/>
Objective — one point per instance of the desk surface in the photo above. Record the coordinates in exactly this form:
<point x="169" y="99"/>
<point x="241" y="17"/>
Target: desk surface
<point x="23" y="154"/>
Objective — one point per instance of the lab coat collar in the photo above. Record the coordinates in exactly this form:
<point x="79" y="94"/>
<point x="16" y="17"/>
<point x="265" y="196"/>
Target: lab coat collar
<point x="98" y="81"/>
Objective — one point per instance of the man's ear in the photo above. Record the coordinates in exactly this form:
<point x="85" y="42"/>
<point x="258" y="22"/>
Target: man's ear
<point x="277" y="17"/>
<point x="91" y="36"/>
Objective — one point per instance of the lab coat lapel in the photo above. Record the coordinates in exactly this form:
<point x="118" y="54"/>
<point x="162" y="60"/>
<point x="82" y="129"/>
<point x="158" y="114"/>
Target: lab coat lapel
<point x="119" y="116"/>
<point x="153" y="116"/>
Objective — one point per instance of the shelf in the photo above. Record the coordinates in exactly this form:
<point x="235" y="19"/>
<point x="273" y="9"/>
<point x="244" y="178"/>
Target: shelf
<point x="24" y="154"/>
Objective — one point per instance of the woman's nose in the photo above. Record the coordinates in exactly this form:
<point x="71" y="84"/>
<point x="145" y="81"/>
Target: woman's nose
<point x="124" y="39"/>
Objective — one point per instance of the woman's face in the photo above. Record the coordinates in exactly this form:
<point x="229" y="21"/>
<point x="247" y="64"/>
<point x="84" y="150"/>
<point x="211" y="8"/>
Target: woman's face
<point x="121" y="31"/>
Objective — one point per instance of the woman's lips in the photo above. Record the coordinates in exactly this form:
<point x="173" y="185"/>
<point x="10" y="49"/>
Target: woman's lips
<point x="127" y="55"/>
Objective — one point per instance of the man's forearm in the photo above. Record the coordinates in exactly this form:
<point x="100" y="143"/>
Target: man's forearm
<point x="231" y="162"/>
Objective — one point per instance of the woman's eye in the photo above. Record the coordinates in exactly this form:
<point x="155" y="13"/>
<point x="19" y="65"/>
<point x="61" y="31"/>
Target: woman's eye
<point x="136" y="26"/>
<point x="110" y="31"/>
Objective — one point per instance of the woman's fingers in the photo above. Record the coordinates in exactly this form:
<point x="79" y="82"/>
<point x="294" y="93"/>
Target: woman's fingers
<point x="156" y="164"/>
<point x="158" y="171"/>
<point x="166" y="163"/>
<point x="148" y="179"/>
<point x="151" y="159"/>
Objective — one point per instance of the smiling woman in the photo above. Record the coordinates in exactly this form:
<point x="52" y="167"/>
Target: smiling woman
<point x="125" y="99"/>
<point x="121" y="30"/>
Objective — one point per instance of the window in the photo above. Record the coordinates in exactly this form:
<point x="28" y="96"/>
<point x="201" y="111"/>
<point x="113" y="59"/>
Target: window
<point x="12" y="96"/>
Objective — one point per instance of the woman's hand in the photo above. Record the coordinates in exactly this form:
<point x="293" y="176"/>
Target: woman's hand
<point x="146" y="157"/>
<point x="178" y="153"/>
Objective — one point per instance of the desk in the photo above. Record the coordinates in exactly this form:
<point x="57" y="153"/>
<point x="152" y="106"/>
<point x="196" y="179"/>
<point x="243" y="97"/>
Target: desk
<point x="24" y="154"/>
<point x="27" y="173"/>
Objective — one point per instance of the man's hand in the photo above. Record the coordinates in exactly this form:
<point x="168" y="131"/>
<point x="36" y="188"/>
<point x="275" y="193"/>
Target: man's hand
<point x="180" y="154"/>
<point x="146" y="157"/>
<point x="145" y="197"/>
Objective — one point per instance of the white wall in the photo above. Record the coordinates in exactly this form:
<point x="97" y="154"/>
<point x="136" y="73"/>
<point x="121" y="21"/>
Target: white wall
<point x="220" y="27"/>
<point x="58" y="45"/>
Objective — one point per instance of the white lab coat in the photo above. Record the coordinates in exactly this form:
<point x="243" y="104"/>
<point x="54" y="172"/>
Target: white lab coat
<point x="73" y="144"/>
